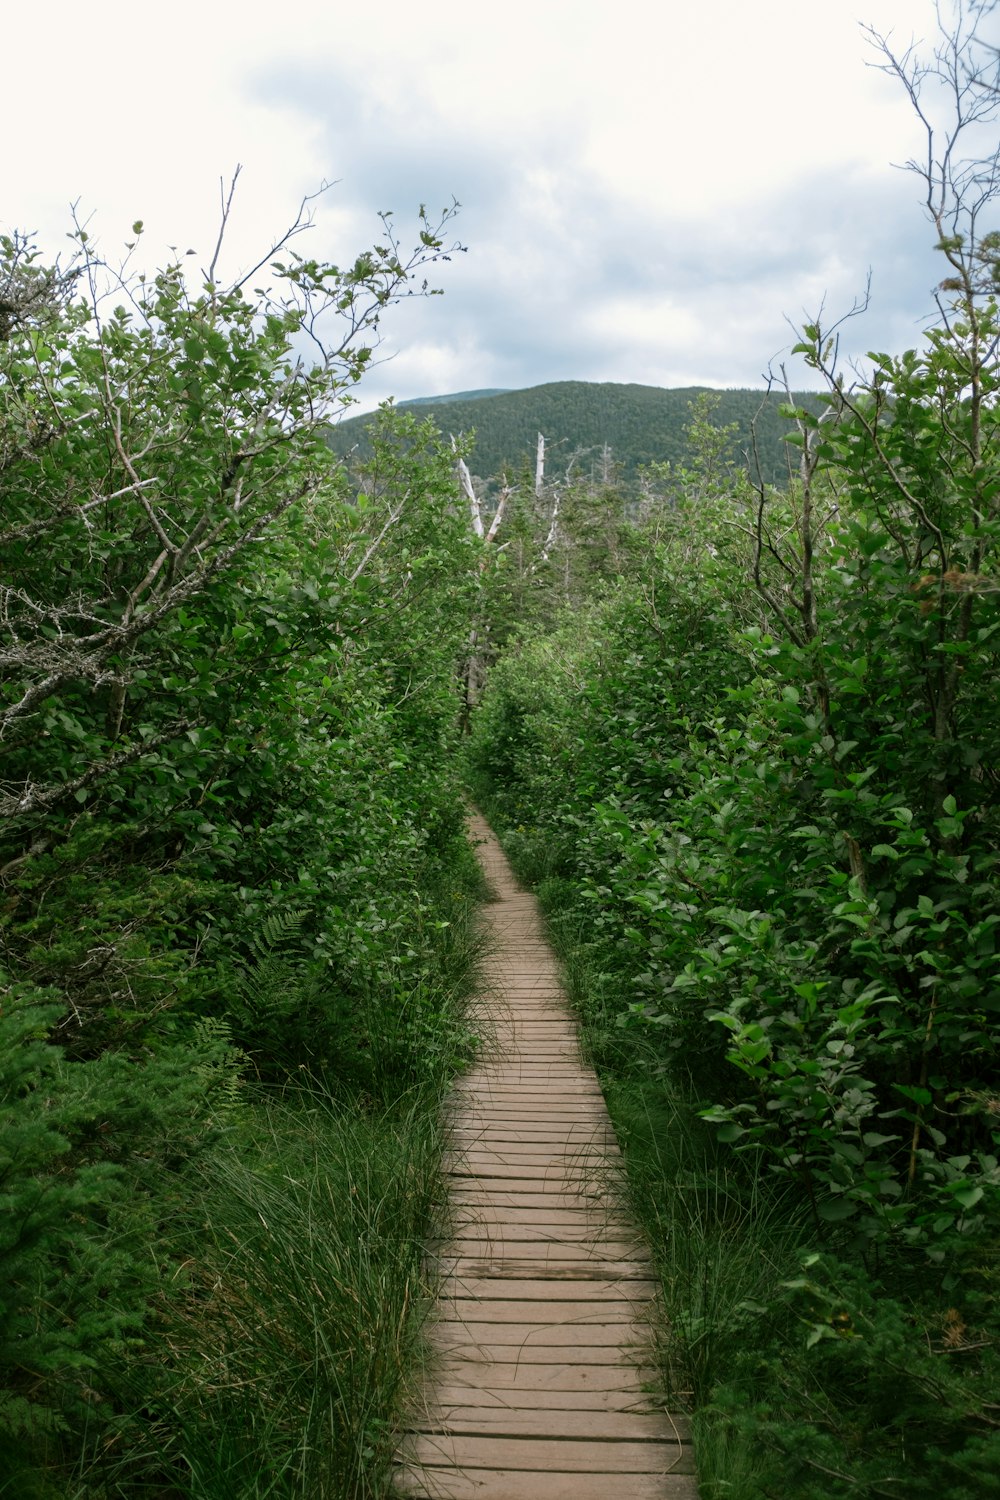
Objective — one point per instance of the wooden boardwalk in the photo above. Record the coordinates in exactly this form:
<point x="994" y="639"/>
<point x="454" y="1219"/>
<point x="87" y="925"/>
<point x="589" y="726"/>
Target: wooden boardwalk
<point x="536" y="1390"/>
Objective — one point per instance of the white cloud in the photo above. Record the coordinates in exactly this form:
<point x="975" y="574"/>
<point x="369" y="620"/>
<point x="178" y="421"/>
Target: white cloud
<point x="646" y="193"/>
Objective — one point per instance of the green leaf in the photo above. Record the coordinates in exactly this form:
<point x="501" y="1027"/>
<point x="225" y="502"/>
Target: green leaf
<point x="913" y="1092"/>
<point x="835" y="1209"/>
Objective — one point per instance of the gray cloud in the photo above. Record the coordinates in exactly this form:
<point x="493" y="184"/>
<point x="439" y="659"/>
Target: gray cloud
<point x="572" y="274"/>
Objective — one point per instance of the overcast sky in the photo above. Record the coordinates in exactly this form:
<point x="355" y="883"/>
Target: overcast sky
<point x="648" y="190"/>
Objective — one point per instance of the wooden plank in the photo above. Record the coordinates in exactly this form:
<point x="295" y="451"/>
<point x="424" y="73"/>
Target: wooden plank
<point x="567" y="1241"/>
<point x="538" y="1106"/>
<point x="579" y="1399"/>
<point x="577" y="1312"/>
<point x="534" y="1081"/>
<point x="572" y="1184"/>
<point x="540" y="1234"/>
<point x="586" y="1142"/>
<point x="540" y="1110"/>
<point x="528" y="1091"/>
<point x="577" y="1256"/>
<point x="585" y="1145"/>
<point x="549" y="1216"/>
<point x="514" y="1194"/>
<point x="492" y="1230"/>
<point x="589" y="1175"/>
<point x="528" y="1054"/>
<point x="567" y="1375"/>
<point x="508" y="1156"/>
<point x="541" y="1242"/>
<point x="501" y="1115"/>
<point x="566" y="1272"/>
<point x="436" y="1483"/>
<point x="541" y="1455"/>
<point x="583" y="1255"/>
<point x="583" y="1136"/>
<point x="553" y="1423"/>
<point x="482" y="1152"/>
<point x="553" y="1226"/>
<point x="576" y="1139"/>
<point x="616" y="1332"/>
<point x="544" y="1289"/>
<point x="535" y="1075"/>
<point x="580" y="1167"/>
<point x="468" y="1346"/>
<point x="551" y="1093"/>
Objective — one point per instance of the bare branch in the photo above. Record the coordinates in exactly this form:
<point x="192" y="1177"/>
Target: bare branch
<point x="33" y="799"/>
<point x="498" y="514"/>
<point x="550" y="540"/>
<point x="475" y="510"/>
<point x="227" y="208"/>
<point x="394" y="516"/>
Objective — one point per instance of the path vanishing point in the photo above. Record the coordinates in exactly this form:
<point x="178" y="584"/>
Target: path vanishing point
<point x="538" y="1388"/>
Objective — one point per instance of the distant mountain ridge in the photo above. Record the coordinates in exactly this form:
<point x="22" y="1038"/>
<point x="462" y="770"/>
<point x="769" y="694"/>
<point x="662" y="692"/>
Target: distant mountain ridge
<point x="640" y="424"/>
<point x="499" y="390"/>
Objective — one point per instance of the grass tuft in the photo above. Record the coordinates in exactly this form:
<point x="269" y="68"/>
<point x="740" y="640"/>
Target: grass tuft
<point x="281" y="1368"/>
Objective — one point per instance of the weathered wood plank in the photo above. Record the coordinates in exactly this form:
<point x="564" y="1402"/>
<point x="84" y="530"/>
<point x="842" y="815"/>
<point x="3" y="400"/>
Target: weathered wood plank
<point x="596" y="1218"/>
<point x="515" y="1194"/>
<point x="539" y="1455"/>
<point x="582" y="1336"/>
<point x="544" y="1289"/>
<point x="521" y="1353"/>
<point x="568" y="1273"/>
<point x="579" y="1400"/>
<point x="481" y="1152"/>
<point x="553" y="1423"/>
<point x="564" y="1375"/>
<point x="580" y="1316"/>
<point x="435" y="1483"/>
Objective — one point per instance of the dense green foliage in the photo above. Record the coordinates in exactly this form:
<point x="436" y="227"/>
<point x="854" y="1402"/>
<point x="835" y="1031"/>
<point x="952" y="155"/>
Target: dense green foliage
<point x="758" y="783"/>
<point x="641" y="425"/>
<point x="232" y="859"/>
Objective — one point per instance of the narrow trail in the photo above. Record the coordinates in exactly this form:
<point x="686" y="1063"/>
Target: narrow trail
<point x="540" y="1336"/>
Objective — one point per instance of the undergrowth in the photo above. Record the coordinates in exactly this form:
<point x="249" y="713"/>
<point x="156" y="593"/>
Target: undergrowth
<point x="809" y="1375"/>
<point x="280" y="1367"/>
<point x="280" y="1266"/>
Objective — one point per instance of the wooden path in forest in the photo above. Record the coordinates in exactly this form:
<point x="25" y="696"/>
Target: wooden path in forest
<point x="536" y="1387"/>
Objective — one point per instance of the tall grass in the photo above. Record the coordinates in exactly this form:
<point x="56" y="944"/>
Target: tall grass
<point x="280" y="1354"/>
<point x="723" y="1240"/>
<point x="280" y="1368"/>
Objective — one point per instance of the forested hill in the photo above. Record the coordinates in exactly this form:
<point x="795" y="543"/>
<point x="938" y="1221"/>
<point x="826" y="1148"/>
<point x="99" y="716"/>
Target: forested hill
<point x="641" y="424"/>
<point x="455" y="396"/>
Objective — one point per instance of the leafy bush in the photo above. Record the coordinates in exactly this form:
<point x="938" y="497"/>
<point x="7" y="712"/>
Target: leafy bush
<point x="231" y="840"/>
<point x="758" y="786"/>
